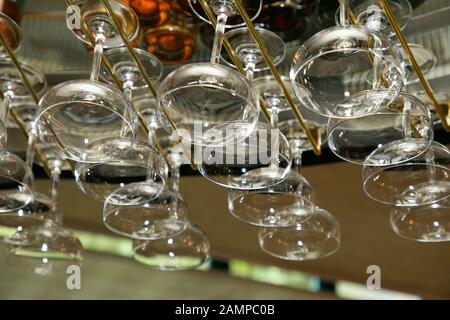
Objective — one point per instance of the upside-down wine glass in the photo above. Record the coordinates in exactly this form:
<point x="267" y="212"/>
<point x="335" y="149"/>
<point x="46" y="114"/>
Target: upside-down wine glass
<point x="75" y="114"/>
<point x="424" y="223"/>
<point x="346" y="71"/>
<point x="47" y="248"/>
<point x="241" y="164"/>
<point x="289" y="201"/>
<point x="369" y="13"/>
<point x="282" y="205"/>
<point x="162" y="236"/>
<point x="423" y="179"/>
<point x="16" y="177"/>
<point x="124" y="161"/>
<point x="206" y="103"/>
<point x="404" y="124"/>
<point x="316" y="237"/>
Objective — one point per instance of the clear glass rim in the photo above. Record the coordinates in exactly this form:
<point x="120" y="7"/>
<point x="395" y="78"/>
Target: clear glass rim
<point x="285" y="174"/>
<point x="336" y="239"/>
<point x="128" y="115"/>
<point x="387" y="112"/>
<point x="397" y="218"/>
<point x="307" y="204"/>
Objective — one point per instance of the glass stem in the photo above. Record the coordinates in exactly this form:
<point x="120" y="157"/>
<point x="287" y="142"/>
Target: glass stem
<point x="55" y="178"/>
<point x="250" y="69"/>
<point x="296" y="152"/>
<point x="175" y="178"/>
<point x="128" y="92"/>
<point x="343" y="12"/>
<point x="29" y="157"/>
<point x="275" y="137"/>
<point x="218" y="38"/>
<point x="56" y="173"/>
<point x="406" y="126"/>
<point x="98" y="53"/>
<point x="8" y="96"/>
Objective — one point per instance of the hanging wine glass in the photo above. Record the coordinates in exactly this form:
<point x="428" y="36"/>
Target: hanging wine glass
<point x="13" y="89"/>
<point x="241" y="164"/>
<point x="127" y="71"/>
<point x="282" y="205"/>
<point x="262" y="160"/>
<point x="11" y="32"/>
<point x="287" y="202"/>
<point x="206" y="103"/>
<point x="421" y="180"/>
<point x="145" y="219"/>
<point x="186" y="250"/>
<point x="15" y="175"/>
<point x="316" y="237"/>
<point x="406" y="123"/>
<point x="15" y="180"/>
<point x="346" y="71"/>
<point x="248" y="51"/>
<point x="49" y="247"/>
<point x="162" y="236"/>
<point x="36" y="213"/>
<point x="425" y="223"/>
<point x="75" y="114"/>
<point x="125" y="161"/>
<point x="95" y="15"/>
<point x="369" y="13"/>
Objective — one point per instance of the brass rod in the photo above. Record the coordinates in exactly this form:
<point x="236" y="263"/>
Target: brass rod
<point x="212" y="18"/>
<point x="140" y="66"/>
<point x="127" y="43"/>
<point x="415" y="65"/>
<point x="312" y="140"/>
<point x="138" y="63"/>
<point x="116" y="79"/>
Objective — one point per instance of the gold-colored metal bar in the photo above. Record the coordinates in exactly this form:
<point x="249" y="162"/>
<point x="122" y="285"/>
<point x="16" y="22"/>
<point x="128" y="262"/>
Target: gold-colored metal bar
<point x="116" y="79"/>
<point x="127" y="43"/>
<point x="31" y="90"/>
<point x="140" y="66"/>
<point x="212" y="17"/>
<point x="426" y="85"/>
<point x="312" y="140"/>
